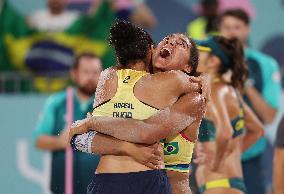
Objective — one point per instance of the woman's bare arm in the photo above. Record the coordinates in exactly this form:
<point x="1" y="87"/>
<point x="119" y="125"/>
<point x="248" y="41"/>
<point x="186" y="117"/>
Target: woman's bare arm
<point x="254" y="128"/>
<point x="224" y="130"/>
<point x="165" y="123"/>
<point x="96" y="143"/>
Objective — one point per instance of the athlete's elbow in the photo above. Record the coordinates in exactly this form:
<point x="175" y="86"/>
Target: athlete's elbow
<point x="200" y="104"/>
<point x="269" y="118"/>
<point x="260" y="133"/>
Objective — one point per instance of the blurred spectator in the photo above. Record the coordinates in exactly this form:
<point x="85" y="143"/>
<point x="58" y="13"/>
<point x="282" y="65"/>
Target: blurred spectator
<point x="262" y="89"/>
<point x="207" y="22"/>
<point x="55" y="18"/>
<point x="50" y="134"/>
<point x="245" y="5"/>
<point x="278" y="168"/>
<point x="48" y="55"/>
<point x="58" y="18"/>
<point x="142" y="15"/>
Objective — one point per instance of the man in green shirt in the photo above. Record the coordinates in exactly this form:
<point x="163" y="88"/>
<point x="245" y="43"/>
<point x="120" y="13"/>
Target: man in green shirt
<point x="51" y="135"/>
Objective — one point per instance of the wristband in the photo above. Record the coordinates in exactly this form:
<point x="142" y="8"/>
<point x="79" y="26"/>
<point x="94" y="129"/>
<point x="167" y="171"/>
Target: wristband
<point x="83" y="142"/>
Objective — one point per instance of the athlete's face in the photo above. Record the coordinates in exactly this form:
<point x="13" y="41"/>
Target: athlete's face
<point x="172" y="53"/>
<point x="232" y="27"/>
<point x="86" y="75"/>
<point x="208" y="63"/>
<point x="204" y="62"/>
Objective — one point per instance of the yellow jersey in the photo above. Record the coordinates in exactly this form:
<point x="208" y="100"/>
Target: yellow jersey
<point x="178" y="152"/>
<point x="124" y="104"/>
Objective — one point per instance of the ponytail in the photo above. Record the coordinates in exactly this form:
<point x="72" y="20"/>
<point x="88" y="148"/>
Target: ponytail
<point x="234" y="50"/>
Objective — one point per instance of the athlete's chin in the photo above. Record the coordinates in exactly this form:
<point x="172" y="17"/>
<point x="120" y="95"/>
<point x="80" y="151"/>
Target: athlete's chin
<point x="160" y="68"/>
<point x="160" y="63"/>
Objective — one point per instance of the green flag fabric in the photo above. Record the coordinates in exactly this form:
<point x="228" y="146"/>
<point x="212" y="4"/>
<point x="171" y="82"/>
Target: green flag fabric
<point x="25" y="49"/>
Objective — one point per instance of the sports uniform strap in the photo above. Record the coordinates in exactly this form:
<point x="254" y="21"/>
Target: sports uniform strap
<point x="240" y="102"/>
<point x="129" y="77"/>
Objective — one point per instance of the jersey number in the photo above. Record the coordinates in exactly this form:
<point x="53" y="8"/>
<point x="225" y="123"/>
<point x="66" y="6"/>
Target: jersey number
<point x="126" y="79"/>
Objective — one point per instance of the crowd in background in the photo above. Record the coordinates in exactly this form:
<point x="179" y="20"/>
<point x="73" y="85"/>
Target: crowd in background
<point x="41" y="46"/>
<point x="38" y="50"/>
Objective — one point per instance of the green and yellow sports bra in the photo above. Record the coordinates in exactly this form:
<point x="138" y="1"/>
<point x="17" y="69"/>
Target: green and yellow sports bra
<point x="207" y="130"/>
<point x="177" y="149"/>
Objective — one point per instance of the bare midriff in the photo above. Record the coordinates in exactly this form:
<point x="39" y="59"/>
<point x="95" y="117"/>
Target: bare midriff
<point x="231" y="165"/>
<point x="119" y="164"/>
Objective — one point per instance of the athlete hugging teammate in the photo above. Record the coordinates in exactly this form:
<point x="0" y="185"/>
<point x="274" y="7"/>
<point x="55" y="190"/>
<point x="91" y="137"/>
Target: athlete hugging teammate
<point x="166" y="105"/>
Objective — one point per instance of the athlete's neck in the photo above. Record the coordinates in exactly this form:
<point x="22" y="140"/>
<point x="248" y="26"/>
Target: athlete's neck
<point x="224" y="78"/>
<point x="213" y="72"/>
<point x="138" y="66"/>
<point x="155" y="70"/>
<point x="214" y="75"/>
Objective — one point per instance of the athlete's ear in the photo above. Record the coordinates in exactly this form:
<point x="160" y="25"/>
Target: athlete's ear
<point x="214" y="61"/>
<point x="153" y="48"/>
<point x="188" y="68"/>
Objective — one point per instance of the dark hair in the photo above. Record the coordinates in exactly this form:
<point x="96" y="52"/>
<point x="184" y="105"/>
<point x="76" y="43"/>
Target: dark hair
<point x="194" y="57"/>
<point x="209" y="3"/>
<point x="83" y="55"/>
<point x="235" y="52"/>
<point x="236" y="13"/>
<point x="129" y="41"/>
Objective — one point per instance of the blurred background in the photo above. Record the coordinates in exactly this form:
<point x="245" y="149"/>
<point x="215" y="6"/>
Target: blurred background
<point x="37" y="51"/>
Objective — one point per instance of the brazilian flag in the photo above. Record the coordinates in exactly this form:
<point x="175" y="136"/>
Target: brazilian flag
<point x="25" y="49"/>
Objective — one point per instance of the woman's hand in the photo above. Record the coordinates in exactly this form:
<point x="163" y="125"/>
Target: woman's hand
<point x="202" y="155"/>
<point x="80" y="127"/>
<point x="201" y="84"/>
<point x="205" y="156"/>
<point x="148" y="155"/>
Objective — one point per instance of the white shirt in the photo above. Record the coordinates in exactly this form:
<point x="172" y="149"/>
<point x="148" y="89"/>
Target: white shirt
<point x="43" y="20"/>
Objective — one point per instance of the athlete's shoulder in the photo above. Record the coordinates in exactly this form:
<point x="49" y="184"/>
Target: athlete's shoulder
<point x="106" y="79"/>
<point x="108" y="73"/>
<point x="173" y="74"/>
<point x="220" y="90"/>
<point x="174" y="78"/>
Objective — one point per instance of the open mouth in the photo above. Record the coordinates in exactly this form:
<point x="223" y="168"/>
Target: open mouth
<point x="165" y="52"/>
